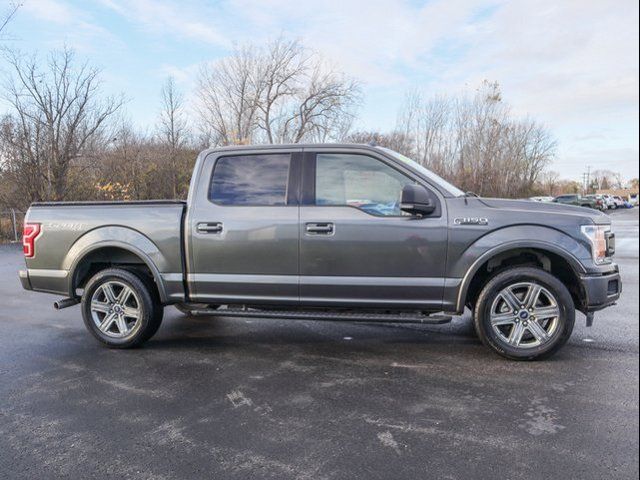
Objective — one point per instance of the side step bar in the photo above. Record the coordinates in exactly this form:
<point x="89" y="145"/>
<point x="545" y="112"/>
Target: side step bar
<point x="434" y="319"/>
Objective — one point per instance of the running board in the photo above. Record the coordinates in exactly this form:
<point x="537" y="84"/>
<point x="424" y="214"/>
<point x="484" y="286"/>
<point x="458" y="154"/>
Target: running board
<point x="435" y="319"/>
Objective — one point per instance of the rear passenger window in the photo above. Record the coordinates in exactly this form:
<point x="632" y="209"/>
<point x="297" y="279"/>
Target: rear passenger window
<point x="251" y="180"/>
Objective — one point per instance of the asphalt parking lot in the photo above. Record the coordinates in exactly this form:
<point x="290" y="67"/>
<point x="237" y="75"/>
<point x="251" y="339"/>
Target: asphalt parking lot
<point x="234" y="398"/>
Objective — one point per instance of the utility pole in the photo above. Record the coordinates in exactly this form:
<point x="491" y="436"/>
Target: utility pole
<point x="586" y="180"/>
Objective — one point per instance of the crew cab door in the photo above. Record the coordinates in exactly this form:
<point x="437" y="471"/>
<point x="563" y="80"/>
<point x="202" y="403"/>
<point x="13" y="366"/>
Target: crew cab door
<point x="357" y="248"/>
<point x="243" y="228"/>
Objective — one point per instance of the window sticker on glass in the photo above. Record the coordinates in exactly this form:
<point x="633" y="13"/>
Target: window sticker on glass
<point x="359" y="181"/>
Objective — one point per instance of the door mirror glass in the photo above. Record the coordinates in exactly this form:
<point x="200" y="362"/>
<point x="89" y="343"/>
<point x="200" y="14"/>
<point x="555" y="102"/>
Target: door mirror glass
<point x="416" y="200"/>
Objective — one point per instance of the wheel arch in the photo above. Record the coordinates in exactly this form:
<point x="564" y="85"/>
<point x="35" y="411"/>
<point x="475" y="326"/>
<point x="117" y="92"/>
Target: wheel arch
<point x="549" y="257"/>
<point x="112" y="246"/>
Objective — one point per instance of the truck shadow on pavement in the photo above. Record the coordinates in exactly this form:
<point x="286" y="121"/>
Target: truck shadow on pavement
<point x="275" y="337"/>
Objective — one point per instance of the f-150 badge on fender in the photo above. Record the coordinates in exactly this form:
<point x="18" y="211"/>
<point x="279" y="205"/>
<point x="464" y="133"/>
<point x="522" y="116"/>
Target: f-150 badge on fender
<point x="471" y="221"/>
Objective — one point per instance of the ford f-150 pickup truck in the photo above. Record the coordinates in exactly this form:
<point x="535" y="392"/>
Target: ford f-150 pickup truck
<point x="334" y="232"/>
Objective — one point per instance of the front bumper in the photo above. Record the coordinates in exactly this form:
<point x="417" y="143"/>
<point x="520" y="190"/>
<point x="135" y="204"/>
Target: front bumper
<point x="601" y="290"/>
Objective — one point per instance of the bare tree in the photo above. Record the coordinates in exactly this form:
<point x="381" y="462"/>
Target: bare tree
<point x="397" y="141"/>
<point x="618" y="180"/>
<point x="476" y="143"/>
<point x="549" y="181"/>
<point x="603" y="179"/>
<point x="228" y="96"/>
<point x="173" y="132"/>
<point x="58" y="116"/>
<point x="8" y="15"/>
<point x="276" y="94"/>
<point x="22" y="162"/>
<point x="431" y="126"/>
<point x="278" y="79"/>
<point x="321" y="108"/>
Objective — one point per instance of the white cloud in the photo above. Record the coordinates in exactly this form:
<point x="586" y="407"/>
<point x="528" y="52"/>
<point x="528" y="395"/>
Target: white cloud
<point x="50" y="10"/>
<point x="79" y="30"/>
<point x="373" y="40"/>
<point x="171" y="19"/>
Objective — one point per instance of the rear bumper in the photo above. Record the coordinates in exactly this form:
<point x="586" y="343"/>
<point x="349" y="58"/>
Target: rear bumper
<point x="24" y="279"/>
<point x="602" y="290"/>
<point x="49" y="281"/>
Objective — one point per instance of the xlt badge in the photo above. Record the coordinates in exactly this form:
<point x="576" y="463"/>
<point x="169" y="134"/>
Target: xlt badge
<point x="471" y="221"/>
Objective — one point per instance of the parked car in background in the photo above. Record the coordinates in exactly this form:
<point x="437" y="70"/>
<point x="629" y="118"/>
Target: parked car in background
<point x="541" y="199"/>
<point x="575" y="199"/>
<point x="619" y="201"/>
<point x="607" y="200"/>
<point x="599" y="202"/>
<point x="633" y="200"/>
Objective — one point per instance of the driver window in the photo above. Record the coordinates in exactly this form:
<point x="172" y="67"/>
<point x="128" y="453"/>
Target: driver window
<point x="359" y="181"/>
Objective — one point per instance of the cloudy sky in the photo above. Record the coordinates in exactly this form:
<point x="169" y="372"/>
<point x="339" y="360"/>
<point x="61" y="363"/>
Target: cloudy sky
<point x="572" y="65"/>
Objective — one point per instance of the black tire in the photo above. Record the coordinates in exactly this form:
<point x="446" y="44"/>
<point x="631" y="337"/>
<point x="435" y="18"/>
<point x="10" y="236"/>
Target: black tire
<point x="563" y="325"/>
<point x="148" y="304"/>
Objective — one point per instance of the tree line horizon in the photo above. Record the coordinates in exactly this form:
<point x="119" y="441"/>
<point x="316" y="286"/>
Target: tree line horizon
<point x="63" y="138"/>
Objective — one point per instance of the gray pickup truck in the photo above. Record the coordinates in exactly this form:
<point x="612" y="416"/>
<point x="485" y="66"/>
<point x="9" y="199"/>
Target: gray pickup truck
<point x="334" y="232"/>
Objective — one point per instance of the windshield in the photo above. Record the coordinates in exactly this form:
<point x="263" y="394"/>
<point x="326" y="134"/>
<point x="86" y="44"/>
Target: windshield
<point x="441" y="182"/>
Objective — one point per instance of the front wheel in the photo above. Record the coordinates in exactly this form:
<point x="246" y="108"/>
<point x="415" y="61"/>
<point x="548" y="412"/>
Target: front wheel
<point x="120" y="308"/>
<point x="524" y="313"/>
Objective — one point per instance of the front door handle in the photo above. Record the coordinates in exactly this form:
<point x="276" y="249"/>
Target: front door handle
<point x="319" y="228"/>
<point x="209" y="227"/>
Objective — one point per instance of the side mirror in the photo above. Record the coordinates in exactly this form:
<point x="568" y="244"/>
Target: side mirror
<point x="416" y="200"/>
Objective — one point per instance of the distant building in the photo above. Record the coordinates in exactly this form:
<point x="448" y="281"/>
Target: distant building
<point x="625" y="193"/>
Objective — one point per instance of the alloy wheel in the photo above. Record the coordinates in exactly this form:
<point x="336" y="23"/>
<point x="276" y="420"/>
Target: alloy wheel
<point x="525" y="315"/>
<point x="115" y="309"/>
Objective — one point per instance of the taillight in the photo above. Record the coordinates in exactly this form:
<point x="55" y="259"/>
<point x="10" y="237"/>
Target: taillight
<point x="29" y="233"/>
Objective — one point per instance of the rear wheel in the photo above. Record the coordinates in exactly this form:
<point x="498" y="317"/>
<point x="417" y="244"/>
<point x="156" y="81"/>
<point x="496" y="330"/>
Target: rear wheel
<point x="120" y="308"/>
<point x="524" y="313"/>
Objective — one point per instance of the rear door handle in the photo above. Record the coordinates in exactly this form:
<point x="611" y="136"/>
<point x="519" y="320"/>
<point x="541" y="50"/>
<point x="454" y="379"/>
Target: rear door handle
<point x="319" y="228"/>
<point x="209" y="227"/>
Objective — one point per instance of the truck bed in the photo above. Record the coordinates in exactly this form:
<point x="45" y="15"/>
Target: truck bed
<point x="72" y="230"/>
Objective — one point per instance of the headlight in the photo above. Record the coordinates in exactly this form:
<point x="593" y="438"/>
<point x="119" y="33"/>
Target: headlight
<point x="597" y="236"/>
